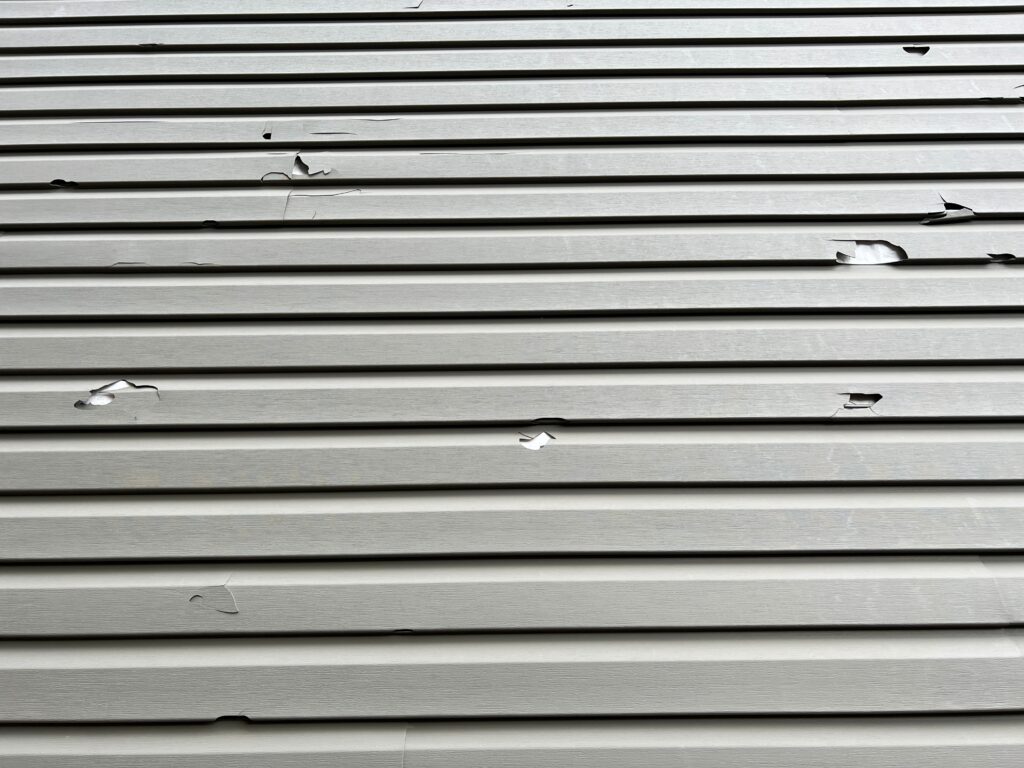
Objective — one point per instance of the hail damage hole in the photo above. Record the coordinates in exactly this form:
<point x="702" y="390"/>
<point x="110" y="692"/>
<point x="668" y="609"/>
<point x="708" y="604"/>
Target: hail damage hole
<point x="305" y="168"/>
<point x="268" y="135"/>
<point x="1002" y="258"/>
<point x="870" y="252"/>
<point x="953" y="213"/>
<point x="860" y="400"/>
<point x="63" y="184"/>
<point x="106" y="394"/>
<point x="919" y="50"/>
<point x="535" y="442"/>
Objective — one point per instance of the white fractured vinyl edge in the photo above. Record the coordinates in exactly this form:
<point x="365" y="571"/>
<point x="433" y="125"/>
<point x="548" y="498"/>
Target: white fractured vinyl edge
<point x="432" y="523"/>
<point x="424" y="458"/>
<point x="546" y="246"/>
<point x="525" y="399"/>
<point x="865" y="742"/>
<point x="510" y="596"/>
<point x="469" y="676"/>
<point x="630" y="30"/>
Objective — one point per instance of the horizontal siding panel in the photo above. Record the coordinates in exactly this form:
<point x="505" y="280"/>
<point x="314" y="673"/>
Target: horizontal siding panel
<point x="457" y="596"/>
<point x="548" y="246"/>
<point x="866" y="742"/>
<point x="901" y="90"/>
<point x="235" y="490"/>
<point x="431" y="523"/>
<point x="812" y="59"/>
<point x="578" y="455"/>
<point x="695" y="290"/>
<point x="127" y="348"/>
<point x="275" y="130"/>
<point x="507" y="164"/>
<point x="516" y="397"/>
<point x="510" y="203"/>
<point x="928" y="27"/>
<point x="91" y="10"/>
<point x="485" y="675"/>
<point x="220" y="745"/>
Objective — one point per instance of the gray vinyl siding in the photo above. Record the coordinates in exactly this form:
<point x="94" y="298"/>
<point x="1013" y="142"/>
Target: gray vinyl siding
<point x="511" y="383"/>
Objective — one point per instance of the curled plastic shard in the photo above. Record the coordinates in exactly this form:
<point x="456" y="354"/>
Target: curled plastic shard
<point x="535" y="442"/>
<point x="860" y="400"/>
<point x="310" y="165"/>
<point x="952" y="213"/>
<point x="870" y="252"/>
<point x="106" y="394"/>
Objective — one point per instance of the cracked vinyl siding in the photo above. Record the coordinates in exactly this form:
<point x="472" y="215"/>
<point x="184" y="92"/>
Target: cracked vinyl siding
<point x="519" y="383"/>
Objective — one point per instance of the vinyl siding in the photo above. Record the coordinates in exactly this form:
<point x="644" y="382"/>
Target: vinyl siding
<point x="289" y="288"/>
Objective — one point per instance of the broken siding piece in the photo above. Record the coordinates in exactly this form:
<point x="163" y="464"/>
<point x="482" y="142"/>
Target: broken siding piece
<point x="811" y="59"/>
<point x="540" y="595"/>
<point x="63" y="462"/>
<point x="267" y="97"/>
<point x="515" y="397"/>
<point x="277" y="130"/>
<point x="486" y="675"/>
<point x="486" y="522"/>
<point x="515" y="164"/>
<point x="512" y="203"/>
<point x="486" y="342"/>
<point x="611" y="292"/>
<point x="864" y="742"/>
<point x="929" y="27"/>
<point x="547" y="246"/>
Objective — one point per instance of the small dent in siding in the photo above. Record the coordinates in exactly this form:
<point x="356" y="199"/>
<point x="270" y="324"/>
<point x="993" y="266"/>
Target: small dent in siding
<point x="216" y="598"/>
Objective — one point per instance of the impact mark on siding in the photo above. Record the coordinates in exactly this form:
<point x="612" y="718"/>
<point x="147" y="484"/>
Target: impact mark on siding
<point x="105" y="395"/>
<point x="869" y="252"/>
